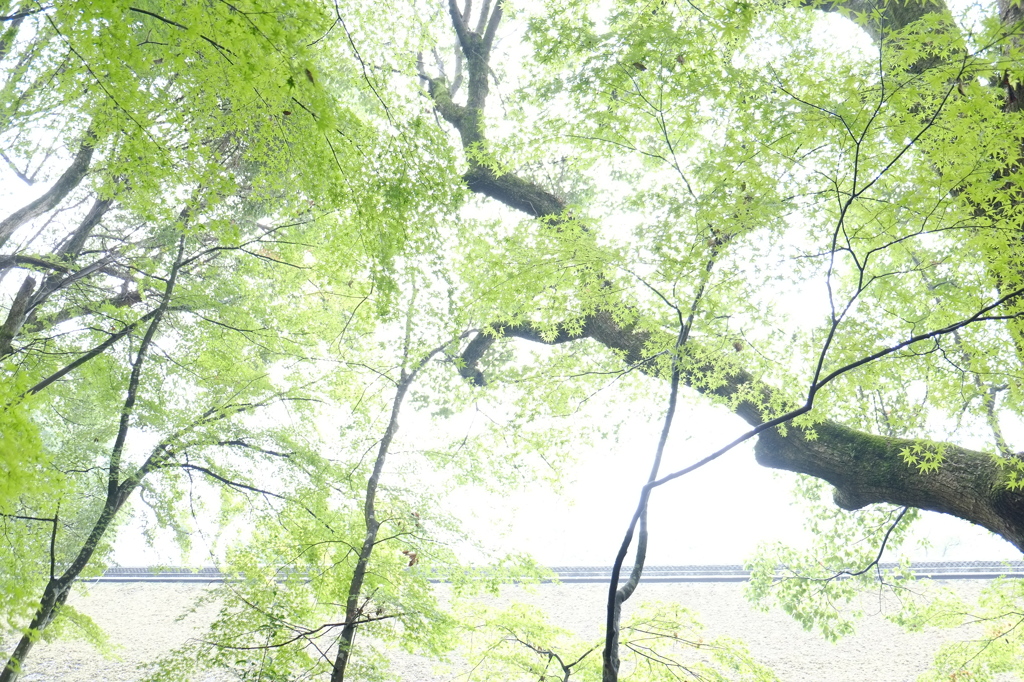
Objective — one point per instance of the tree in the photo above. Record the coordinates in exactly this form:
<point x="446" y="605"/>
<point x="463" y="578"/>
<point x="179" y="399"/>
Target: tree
<point x="181" y="305"/>
<point x="682" y="170"/>
<point x="868" y="473"/>
<point x="627" y="92"/>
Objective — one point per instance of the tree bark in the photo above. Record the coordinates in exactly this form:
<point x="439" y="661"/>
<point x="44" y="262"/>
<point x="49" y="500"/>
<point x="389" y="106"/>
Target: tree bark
<point x="882" y="18"/>
<point x="867" y="469"/>
<point x="16" y="316"/>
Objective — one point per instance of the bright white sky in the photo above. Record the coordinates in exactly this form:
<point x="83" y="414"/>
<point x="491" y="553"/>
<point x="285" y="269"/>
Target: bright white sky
<point x="715" y="515"/>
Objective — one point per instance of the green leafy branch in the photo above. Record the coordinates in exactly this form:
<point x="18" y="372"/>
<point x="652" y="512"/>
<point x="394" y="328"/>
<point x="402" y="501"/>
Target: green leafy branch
<point x="927" y="457"/>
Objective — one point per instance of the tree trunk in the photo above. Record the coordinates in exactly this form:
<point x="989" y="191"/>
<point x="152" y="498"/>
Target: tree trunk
<point x="57" y="589"/>
<point x="54" y="596"/>
<point x="355" y="588"/>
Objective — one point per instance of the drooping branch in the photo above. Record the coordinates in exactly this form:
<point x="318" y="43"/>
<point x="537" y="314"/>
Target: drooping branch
<point x="24" y="309"/>
<point x="124" y="298"/>
<point x="9" y="262"/>
<point x="59" y="277"/>
<point x="551" y="656"/>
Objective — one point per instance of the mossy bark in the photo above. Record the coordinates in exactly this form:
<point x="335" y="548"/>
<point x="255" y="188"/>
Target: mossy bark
<point x="867" y="469"/>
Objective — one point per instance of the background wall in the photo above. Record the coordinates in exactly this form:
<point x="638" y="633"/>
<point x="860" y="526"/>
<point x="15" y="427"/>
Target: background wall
<point x="143" y="622"/>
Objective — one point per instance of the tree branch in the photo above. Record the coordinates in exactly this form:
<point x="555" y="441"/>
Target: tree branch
<point x="114" y="477"/>
<point x="72" y="247"/>
<point x="223" y="51"/>
<point x="408" y="376"/>
<point x="864" y="468"/>
<point x="68" y="181"/>
<point x="16" y="316"/>
<point x="57" y="589"/>
<point x="114" y="338"/>
<point x="9" y="262"/>
<point x="230" y="483"/>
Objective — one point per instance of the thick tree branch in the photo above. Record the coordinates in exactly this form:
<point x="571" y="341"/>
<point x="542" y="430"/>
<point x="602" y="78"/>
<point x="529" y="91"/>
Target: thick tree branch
<point x="55" y="282"/>
<point x="514" y="192"/>
<point x="74" y="243"/>
<point x="126" y="297"/>
<point x="16" y="315"/>
<point x="867" y="469"/>
<point x="864" y="468"/>
<point x="68" y="181"/>
<point x="9" y="262"/>
<point x="459" y="23"/>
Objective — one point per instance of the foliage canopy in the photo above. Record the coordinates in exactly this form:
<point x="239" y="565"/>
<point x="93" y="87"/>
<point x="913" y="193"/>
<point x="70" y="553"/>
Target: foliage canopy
<point x="254" y="229"/>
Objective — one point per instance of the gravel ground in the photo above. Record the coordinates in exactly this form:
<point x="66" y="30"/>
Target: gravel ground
<point x="142" y="621"/>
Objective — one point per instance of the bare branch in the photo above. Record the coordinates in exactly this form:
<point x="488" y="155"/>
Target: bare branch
<point x="459" y="24"/>
<point x="492" y="26"/>
<point x="230" y="483"/>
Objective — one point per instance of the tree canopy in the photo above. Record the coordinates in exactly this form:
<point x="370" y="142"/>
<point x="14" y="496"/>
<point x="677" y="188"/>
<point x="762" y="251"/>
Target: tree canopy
<point x="245" y="233"/>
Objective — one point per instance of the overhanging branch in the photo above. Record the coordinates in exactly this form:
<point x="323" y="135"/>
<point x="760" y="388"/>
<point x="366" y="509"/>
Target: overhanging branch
<point x="863" y="467"/>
